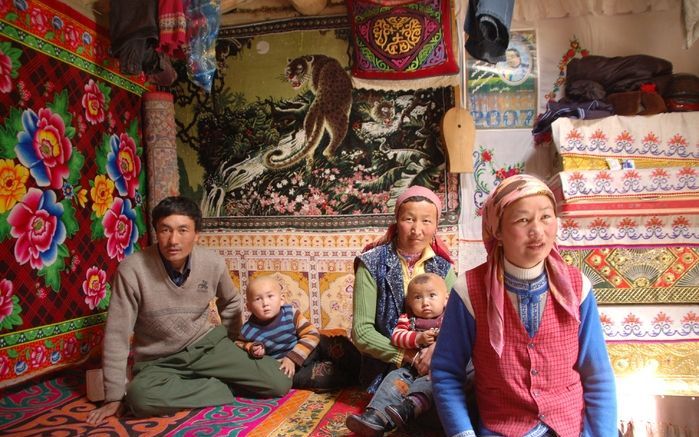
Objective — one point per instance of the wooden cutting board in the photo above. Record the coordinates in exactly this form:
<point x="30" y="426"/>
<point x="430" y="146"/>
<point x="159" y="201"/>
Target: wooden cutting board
<point x="459" y="135"/>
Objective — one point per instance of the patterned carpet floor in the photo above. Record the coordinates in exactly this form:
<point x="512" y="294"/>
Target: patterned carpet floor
<point x="56" y="405"/>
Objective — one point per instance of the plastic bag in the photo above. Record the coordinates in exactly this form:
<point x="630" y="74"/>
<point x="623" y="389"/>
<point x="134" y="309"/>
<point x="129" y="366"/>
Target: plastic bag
<point x="203" y="21"/>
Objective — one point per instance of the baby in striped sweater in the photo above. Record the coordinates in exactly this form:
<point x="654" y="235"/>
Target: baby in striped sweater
<point x="313" y="360"/>
<point x="418" y="328"/>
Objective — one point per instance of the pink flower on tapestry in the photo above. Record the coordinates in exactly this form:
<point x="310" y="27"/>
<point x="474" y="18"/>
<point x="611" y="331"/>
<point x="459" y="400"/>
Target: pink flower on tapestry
<point x="687" y="171"/>
<point x="599" y="224"/>
<point x="569" y="224"/>
<point x="72" y="37"/>
<point x="603" y="176"/>
<point x="13" y="179"/>
<point x="626" y="223"/>
<point x="40" y="23"/>
<point x="659" y="173"/>
<point x="124" y="164"/>
<point x="690" y="317"/>
<point x="9" y="306"/>
<point x="576" y="177"/>
<point x="631" y="319"/>
<point x="606" y="320"/>
<point x="486" y="156"/>
<point x="654" y="223"/>
<point x="5" y="366"/>
<point x="94" y="286"/>
<point x="120" y="229"/>
<point x="44" y="148"/>
<point x="70" y="347"/>
<point x="5" y="73"/>
<point x="93" y="103"/>
<point x="38" y="356"/>
<point x="661" y="319"/>
<point x="631" y="174"/>
<point x="36" y="224"/>
<point x="624" y="138"/>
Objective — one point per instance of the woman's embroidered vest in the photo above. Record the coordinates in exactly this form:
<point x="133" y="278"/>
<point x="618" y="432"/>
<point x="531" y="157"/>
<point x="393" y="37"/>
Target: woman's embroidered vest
<point x="383" y="264"/>
<point x="534" y="379"/>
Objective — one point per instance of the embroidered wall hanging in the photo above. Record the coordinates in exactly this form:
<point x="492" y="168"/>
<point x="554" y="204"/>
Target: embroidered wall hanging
<point x="73" y="186"/>
<point x="284" y="140"/>
<point x="405" y="41"/>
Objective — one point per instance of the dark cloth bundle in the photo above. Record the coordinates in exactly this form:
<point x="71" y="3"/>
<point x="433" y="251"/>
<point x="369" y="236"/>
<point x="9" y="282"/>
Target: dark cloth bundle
<point x="614" y="75"/>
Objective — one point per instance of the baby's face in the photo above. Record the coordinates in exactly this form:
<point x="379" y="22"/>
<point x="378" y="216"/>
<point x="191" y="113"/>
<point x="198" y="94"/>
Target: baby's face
<point x="264" y="298"/>
<point x="427" y="300"/>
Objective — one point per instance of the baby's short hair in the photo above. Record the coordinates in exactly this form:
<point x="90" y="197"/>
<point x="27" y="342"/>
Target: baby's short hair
<point x="424" y="278"/>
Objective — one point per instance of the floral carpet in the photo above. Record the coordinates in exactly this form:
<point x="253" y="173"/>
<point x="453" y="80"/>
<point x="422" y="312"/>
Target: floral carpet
<point x="56" y="405"/>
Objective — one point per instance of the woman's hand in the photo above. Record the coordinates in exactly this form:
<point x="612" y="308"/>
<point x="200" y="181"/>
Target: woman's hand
<point x="99" y="415"/>
<point x="423" y="359"/>
<point x="409" y="356"/>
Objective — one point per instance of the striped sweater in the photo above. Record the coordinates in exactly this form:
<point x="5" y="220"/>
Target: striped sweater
<point x="405" y="333"/>
<point x="289" y="334"/>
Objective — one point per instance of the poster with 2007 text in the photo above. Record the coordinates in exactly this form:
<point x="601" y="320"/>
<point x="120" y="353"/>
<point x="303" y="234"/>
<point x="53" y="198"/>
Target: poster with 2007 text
<point x="503" y="95"/>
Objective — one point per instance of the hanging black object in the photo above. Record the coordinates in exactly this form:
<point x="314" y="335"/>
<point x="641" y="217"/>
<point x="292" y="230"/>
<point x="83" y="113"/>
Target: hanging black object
<point x="488" y="28"/>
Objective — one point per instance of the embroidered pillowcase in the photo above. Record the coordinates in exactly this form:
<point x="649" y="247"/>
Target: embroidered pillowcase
<point x="401" y="39"/>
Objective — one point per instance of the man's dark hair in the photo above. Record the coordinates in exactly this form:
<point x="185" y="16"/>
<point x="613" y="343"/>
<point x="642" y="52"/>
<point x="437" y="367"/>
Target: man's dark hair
<point x="177" y="205"/>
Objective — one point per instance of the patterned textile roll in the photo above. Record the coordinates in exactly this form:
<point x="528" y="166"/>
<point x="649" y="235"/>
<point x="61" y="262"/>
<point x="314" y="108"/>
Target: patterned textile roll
<point x="159" y="134"/>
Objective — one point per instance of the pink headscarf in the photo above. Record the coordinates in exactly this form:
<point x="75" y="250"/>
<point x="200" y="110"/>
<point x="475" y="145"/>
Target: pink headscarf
<point x="440" y="248"/>
<point x="509" y="191"/>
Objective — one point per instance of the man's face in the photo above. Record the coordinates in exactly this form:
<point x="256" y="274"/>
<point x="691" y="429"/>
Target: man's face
<point x="512" y="59"/>
<point x="176" y="236"/>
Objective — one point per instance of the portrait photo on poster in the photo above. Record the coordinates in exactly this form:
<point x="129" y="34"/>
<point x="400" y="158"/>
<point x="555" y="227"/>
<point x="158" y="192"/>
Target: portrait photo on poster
<point x="504" y="95"/>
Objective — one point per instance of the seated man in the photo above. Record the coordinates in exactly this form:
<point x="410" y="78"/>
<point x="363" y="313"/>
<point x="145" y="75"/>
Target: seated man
<point x="179" y="302"/>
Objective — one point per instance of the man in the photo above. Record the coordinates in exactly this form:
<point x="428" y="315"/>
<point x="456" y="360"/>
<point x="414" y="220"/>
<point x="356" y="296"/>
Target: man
<point x="513" y="69"/>
<point x="178" y="301"/>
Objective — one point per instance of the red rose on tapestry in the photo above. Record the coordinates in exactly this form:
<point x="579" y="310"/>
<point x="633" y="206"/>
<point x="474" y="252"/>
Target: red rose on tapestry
<point x="36" y="223"/>
<point x="39" y="21"/>
<point x="124" y="164"/>
<point x="120" y="229"/>
<point x="93" y="102"/>
<point x="72" y="37"/>
<point x="44" y="148"/>
<point x="94" y="286"/>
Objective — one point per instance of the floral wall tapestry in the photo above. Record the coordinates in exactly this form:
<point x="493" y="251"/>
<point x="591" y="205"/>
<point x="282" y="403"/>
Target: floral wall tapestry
<point x="71" y="186"/>
<point x="285" y="139"/>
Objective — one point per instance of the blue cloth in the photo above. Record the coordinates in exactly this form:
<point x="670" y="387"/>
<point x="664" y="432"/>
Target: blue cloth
<point x="529" y="298"/>
<point x="383" y="264"/>
<point x="388" y="392"/>
<point x="488" y="27"/>
<point x="453" y="354"/>
<point x="278" y="335"/>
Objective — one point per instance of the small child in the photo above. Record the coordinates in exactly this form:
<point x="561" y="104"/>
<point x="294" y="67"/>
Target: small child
<point x="314" y="361"/>
<point x="416" y="329"/>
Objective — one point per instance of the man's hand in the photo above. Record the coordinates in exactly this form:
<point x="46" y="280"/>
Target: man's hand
<point x="257" y="350"/>
<point x="109" y="409"/>
<point x="287" y="367"/>
<point x="423" y="359"/>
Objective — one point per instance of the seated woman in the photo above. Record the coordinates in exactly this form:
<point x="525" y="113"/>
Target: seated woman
<point x="382" y="273"/>
<point x="529" y="323"/>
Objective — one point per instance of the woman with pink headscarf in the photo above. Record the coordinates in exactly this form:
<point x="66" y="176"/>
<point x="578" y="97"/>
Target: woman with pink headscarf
<point x="409" y="247"/>
<point x="529" y="324"/>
